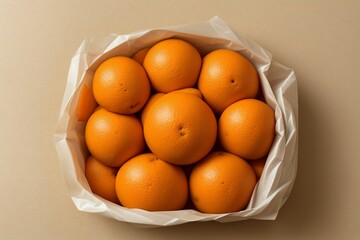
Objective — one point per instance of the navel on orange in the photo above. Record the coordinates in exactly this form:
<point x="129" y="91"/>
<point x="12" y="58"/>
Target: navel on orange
<point x="180" y="128"/>
<point x="226" y="77"/>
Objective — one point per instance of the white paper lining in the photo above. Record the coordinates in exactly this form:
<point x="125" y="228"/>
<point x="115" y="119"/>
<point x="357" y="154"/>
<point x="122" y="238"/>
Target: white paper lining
<point x="280" y="90"/>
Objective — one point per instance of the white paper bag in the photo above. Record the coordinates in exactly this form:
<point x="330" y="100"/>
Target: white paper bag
<point x="278" y="84"/>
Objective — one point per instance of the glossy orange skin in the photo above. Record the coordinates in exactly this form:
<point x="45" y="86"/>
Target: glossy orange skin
<point x="101" y="179"/>
<point x="226" y="77"/>
<point x="149" y="183"/>
<point x="247" y="129"/>
<point x="180" y="128"/>
<point x="172" y="64"/>
<point x="221" y="183"/>
<point x="149" y="103"/>
<point x="120" y="85"/>
<point x="113" y="138"/>
<point x="86" y="103"/>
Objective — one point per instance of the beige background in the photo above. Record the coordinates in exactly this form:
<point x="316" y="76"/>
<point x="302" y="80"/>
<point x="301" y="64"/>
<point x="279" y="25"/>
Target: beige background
<point x="320" y="40"/>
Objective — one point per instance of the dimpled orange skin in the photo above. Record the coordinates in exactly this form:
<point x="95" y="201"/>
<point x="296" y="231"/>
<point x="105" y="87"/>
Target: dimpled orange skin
<point x="149" y="183"/>
<point x="149" y="103"/>
<point x="172" y="64"/>
<point x="226" y="77"/>
<point x="221" y="183"/>
<point x="113" y="138"/>
<point x="101" y="179"/>
<point x="247" y="129"/>
<point x="121" y="85"/>
<point x="180" y="128"/>
<point x="86" y="103"/>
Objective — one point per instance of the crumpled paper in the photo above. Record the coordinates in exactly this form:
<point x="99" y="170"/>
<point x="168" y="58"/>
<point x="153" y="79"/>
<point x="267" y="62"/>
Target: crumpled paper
<point x="280" y="90"/>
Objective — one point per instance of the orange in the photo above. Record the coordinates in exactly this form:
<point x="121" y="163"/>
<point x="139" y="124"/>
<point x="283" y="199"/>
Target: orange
<point x="149" y="183"/>
<point x="226" y="77"/>
<point x="247" y="128"/>
<point x="113" y="138"/>
<point x="121" y="85"/>
<point x="258" y="166"/>
<point x="194" y="91"/>
<point x="101" y="179"/>
<point x="149" y="103"/>
<point x="180" y="128"/>
<point x="172" y="64"/>
<point x="221" y="183"/>
<point x="140" y="55"/>
<point x="86" y="104"/>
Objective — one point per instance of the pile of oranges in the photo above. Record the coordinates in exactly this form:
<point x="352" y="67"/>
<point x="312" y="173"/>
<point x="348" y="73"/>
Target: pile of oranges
<point x="168" y="129"/>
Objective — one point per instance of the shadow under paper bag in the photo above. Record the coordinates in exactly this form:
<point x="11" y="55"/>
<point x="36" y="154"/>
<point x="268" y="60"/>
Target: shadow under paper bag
<point x="278" y="84"/>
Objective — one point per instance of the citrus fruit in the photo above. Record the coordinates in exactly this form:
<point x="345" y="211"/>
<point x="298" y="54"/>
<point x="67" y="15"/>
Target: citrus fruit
<point x="221" y="183"/>
<point x="149" y="103"/>
<point x="226" y="77"/>
<point x="86" y="104"/>
<point x="120" y="85"/>
<point x="172" y="64"/>
<point x="194" y="91"/>
<point x="101" y="179"/>
<point x="180" y="128"/>
<point x="149" y="183"/>
<point x="258" y="166"/>
<point x="113" y="138"/>
<point x="140" y="55"/>
<point x="247" y="128"/>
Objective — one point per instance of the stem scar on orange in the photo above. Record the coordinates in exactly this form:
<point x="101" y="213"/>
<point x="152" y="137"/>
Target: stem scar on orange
<point x="226" y="77"/>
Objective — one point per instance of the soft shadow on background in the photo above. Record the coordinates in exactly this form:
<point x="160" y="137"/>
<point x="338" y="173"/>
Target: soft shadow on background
<point x="320" y="40"/>
<point x="300" y="213"/>
<point x="304" y="209"/>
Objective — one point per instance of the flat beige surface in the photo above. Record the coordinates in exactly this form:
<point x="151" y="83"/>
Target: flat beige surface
<point x="320" y="40"/>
